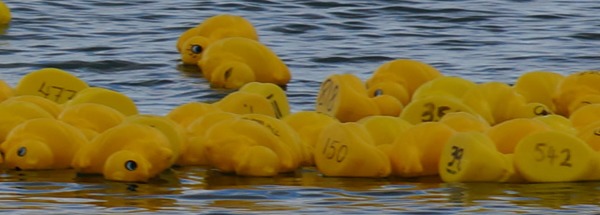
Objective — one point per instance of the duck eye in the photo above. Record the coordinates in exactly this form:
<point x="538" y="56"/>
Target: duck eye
<point x="196" y="49"/>
<point x="228" y="73"/>
<point x="378" y="92"/>
<point x="22" y="151"/>
<point x="130" y="165"/>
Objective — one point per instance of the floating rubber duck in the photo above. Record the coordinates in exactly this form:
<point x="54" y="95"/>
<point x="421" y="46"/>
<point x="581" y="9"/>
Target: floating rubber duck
<point x="240" y="102"/>
<point x="557" y="122"/>
<point x="232" y="62"/>
<point x="415" y="152"/>
<point x="406" y="72"/>
<point x="497" y="102"/>
<point x="174" y="132"/>
<point x="389" y="88"/>
<point x="585" y="115"/>
<point x="127" y="152"/>
<point x="576" y="90"/>
<point x="110" y="98"/>
<point x="555" y="156"/>
<point x="348" y="150"/>
<point x="590" y="134"/>
<point x="5" y="16"/>
<point x="384" y="129"/>
<point x="308" y="125"/>
<point x="465" y="121"/>
<point x="41" y="144"/>
<point x="195" y="153"/>
<point x="14" y="113"/>
<point x="5" y="91"/>
<point x="194" y="41"/>
<point x="506" y="135"/>
<point x="187" y="113"/>
<point x="539" y="86"/>
<point x="432" y="108"/>
<point x="54" y="84"/>
<point x="46" y="104"/>
<point x="231" y="144"/>
<point x="344" y="97"/>
<point x="472" y="157"/>
<point x="452" y="86"/>
<point x="91" y="118"/>
<point x="285" y="133"/>
<point x="274" y="93"/>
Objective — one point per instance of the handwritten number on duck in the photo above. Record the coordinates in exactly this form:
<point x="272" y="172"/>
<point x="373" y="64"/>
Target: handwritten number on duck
<point x="457" y="153"/>
<point x="328" y="94"/>
<point x="278" y="113"/>
<point x="548" y="152"/>
<point x="335" y="150"/>
<point x="56" y="92"/>
<point x="433" y="112"/>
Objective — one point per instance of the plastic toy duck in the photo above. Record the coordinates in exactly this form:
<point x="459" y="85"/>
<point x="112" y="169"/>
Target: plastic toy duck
<point x="5" y="91"/>
<point x="41" y="144"/>
<point x="127" y="152"/>
<point x="91" y="118"/>
<point x="464" y="121"/>
<point x="16" y="112"/>
<point x="241" y="102"/>
<point x="406" y="72"/>
<point x="344" y="97"/>
<point x="348" y="150"/>
<point x="51" y="83"/>
<point x="308" y="125"/>
<point x="455" y="87"/>
<point x="110" y="98"/>
<point x="576" y="90"/>
<point x="384" y="129"/>
<point x="232" y="62"/>
<point x="539" y="86"/>
<point x="432" y="108"/>
<point x="590" y="134"/>
<point x="497" y="102"/>
<point x="245" y="147"/>
<point x="275" y="94"/>
<point x="415" y="152"/>
<point x="174" y="132"/>
<point x="194" y="41"/>
<point x="46" y="104"/>
<point x="472" y="157"/>
<point x="585" y="115"/>
<point x="5" y="16"/>
<point x="557" y="122"/>
<point x="506" y="135"/>
<point x="195" y="152"/>
<point x="187" y="113"/>
<point x="555" y="156"/>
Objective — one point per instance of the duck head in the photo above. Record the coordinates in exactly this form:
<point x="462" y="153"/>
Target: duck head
<point x="192" y="49"/>
<point x="29" y="155"/>
<point x="126" y="165"/>
<point x="231" y="75"/>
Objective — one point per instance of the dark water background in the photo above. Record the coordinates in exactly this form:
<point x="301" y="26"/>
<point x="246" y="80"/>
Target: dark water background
<point x="129" y="46"/>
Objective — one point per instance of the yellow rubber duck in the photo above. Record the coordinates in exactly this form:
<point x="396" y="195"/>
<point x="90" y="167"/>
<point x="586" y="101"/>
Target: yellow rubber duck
<point x="5" y="16"/>
<point x="389" y="88"/>
<point x="465" y="121"/>
<point x="416" y="152"/>
<point x="127" y="152"/>
<point x="91" y="118"/>
<point x="432" y="108"/>
<point x="557" y="122"/>
<point x="54" y="84"/>
<point x="110" y="98"/>
<point x="308" y="125"/>
<point x="472" y="157"/>
<point x="187" y="113"/>
<point x="348" y="150"/>
<point x="6" y="91"/>
<point x="388" y="105"/>
<point x="232" y="143"/>
<point x="14" y="113"/>
<point x="174" y="132"/>
<point x="555" y="156"/>
<point x="576" y="90"/>
<point x="41" y="144"/>
<point x="591" y="135"/>
<point x="506" y="135"/>
<point x="274" y="93"/>
<point x="240" y="102"/>
<point x="194" y="41"/>
<point x="232" y="62"/>
<point x="344" y="97"/>
<point x="585" y="115"/>
<point x="452" y="86"/>
<point x="384" y="129"/>
<point x="408" y="73"/>
<point x="195" y="152"/>
<point x="46" y="104"/>
<point x="539" y="86"/>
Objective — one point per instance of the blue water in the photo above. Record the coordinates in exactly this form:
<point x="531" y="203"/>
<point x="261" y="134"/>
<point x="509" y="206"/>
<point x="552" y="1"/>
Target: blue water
<point x="129" y="46"/>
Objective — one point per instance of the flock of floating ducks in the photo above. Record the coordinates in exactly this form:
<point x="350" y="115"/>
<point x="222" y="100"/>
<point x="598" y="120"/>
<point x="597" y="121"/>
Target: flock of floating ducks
<point x="406" y="120"/>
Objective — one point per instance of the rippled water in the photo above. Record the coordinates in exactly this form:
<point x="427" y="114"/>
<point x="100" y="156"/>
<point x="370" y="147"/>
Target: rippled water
<point x="129" y="46"/>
